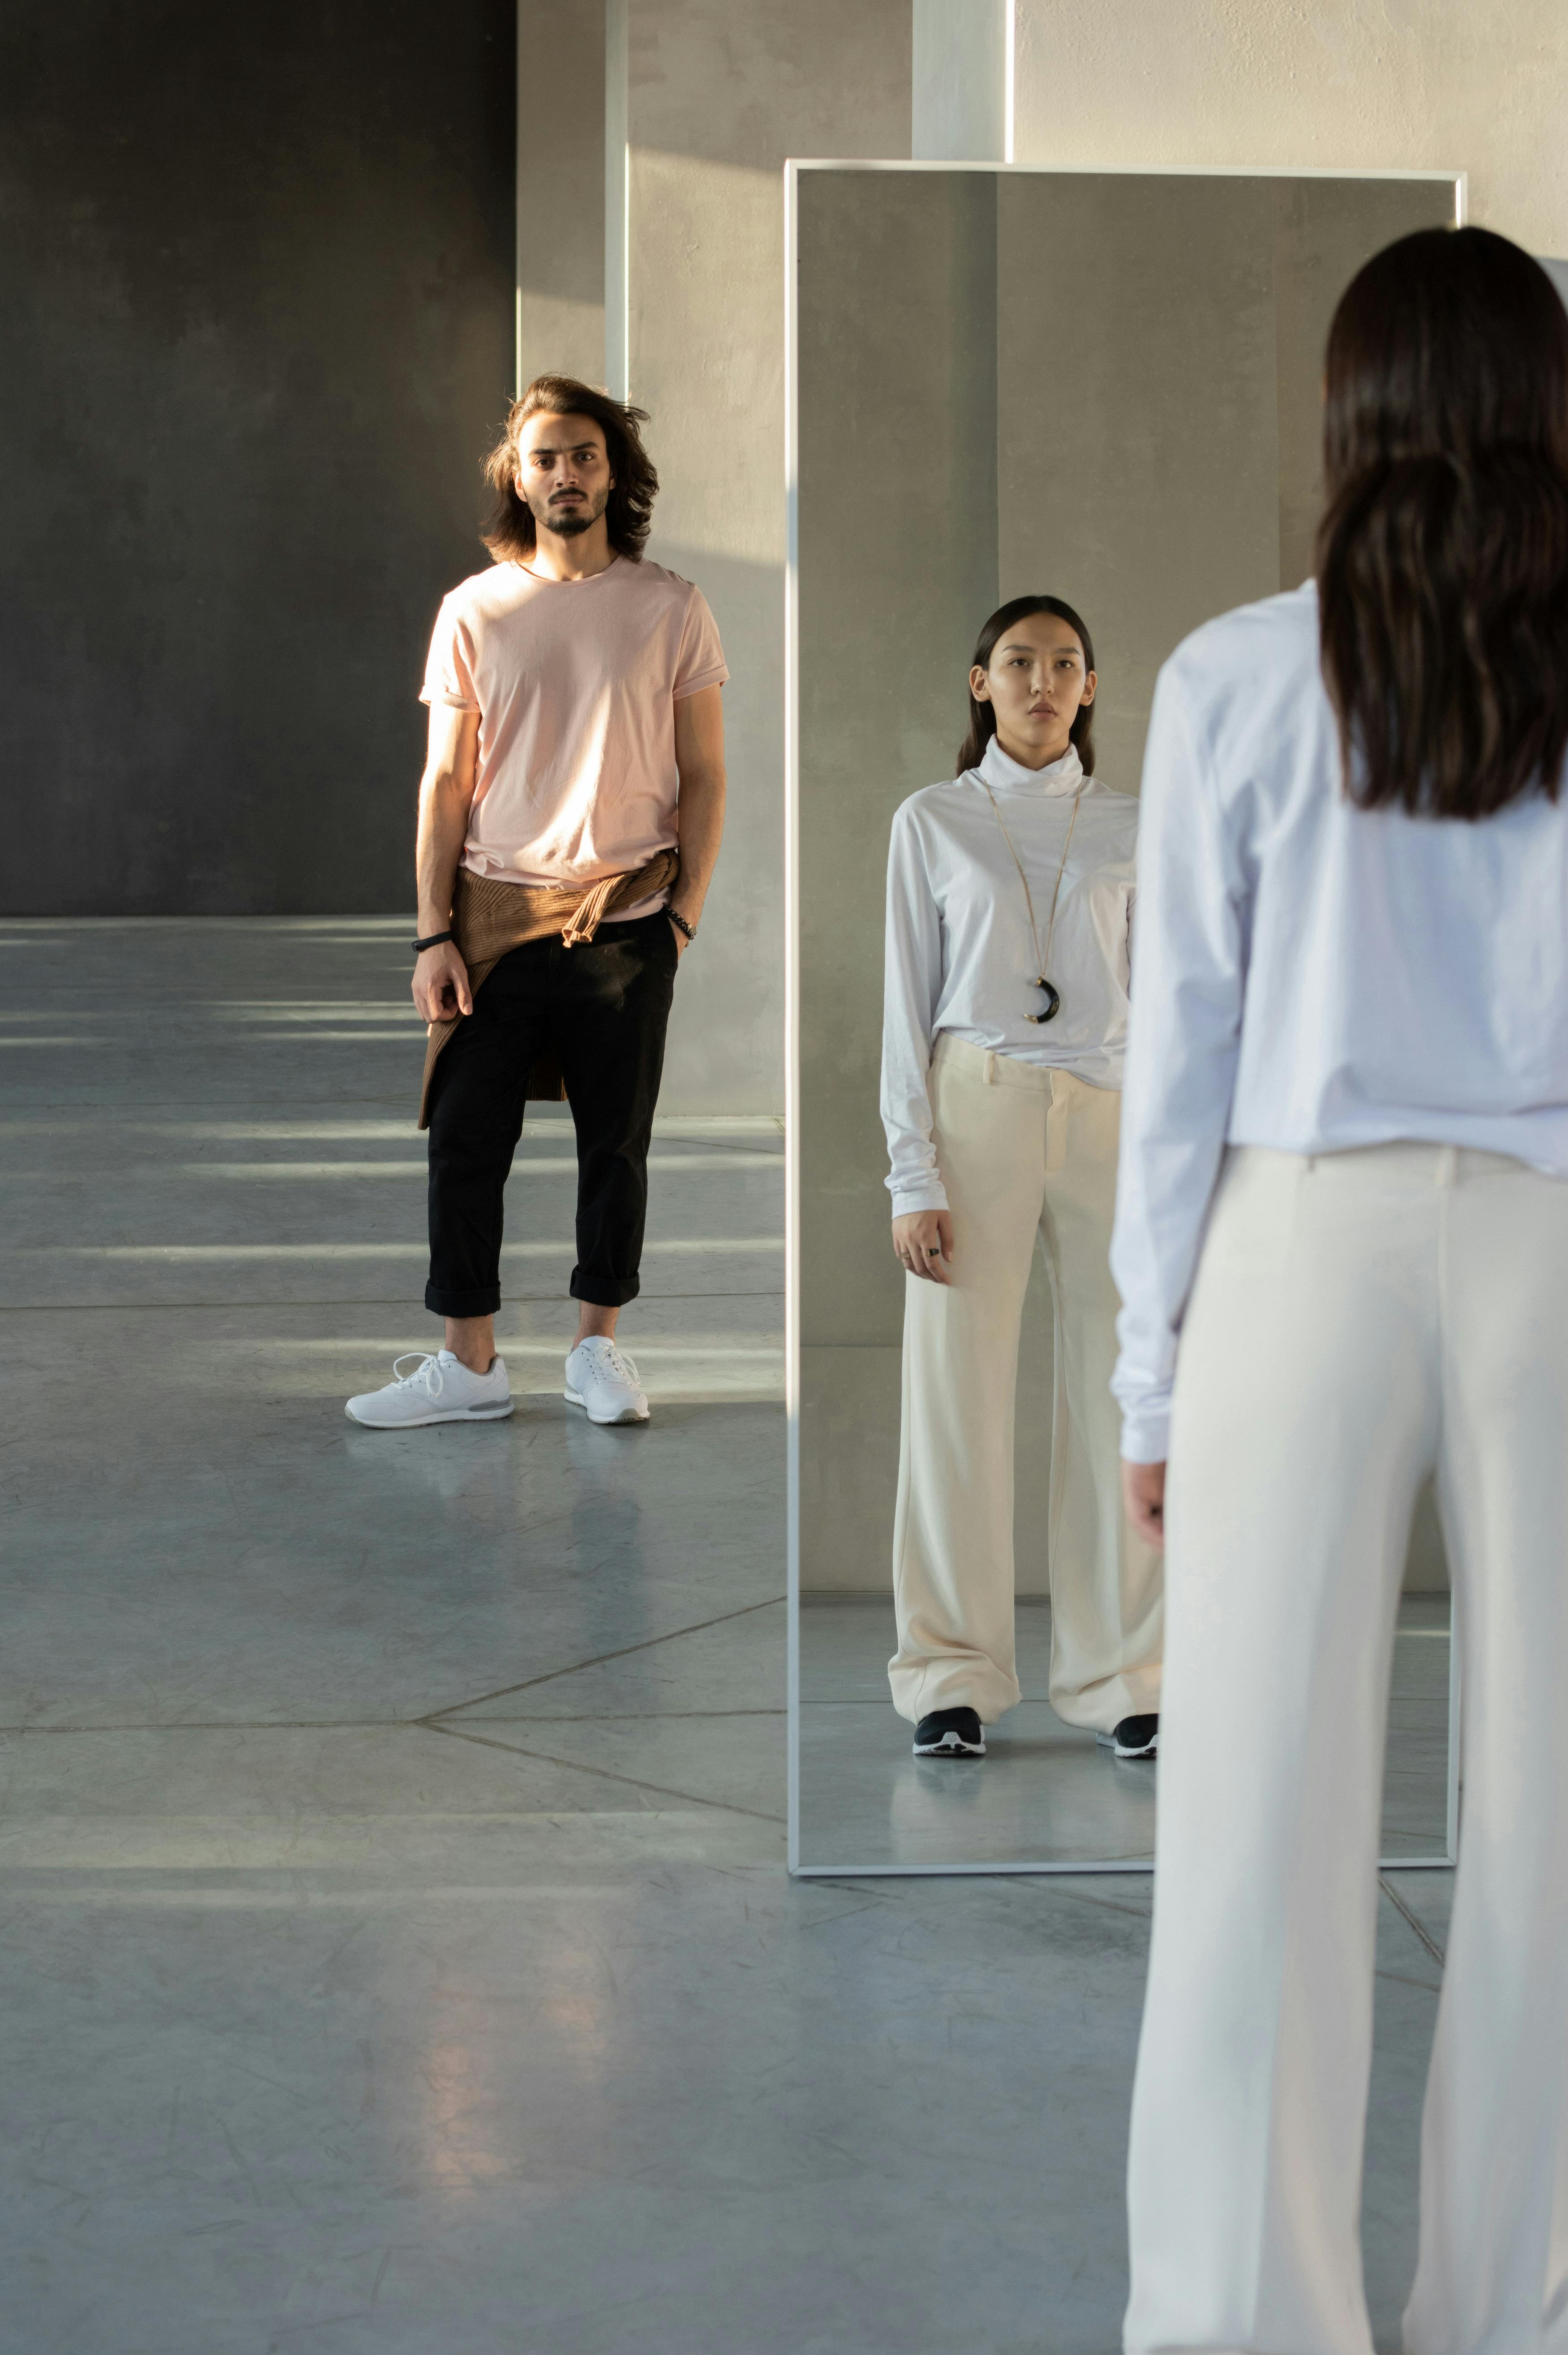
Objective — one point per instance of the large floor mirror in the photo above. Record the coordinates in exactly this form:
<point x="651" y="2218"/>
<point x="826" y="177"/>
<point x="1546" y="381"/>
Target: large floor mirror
<point x="1103" y="386"/>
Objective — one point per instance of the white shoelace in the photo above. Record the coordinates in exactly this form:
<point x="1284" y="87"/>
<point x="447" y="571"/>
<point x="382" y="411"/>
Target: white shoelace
<point x="427" y="1374"/>
<point x="607" y="1359"/>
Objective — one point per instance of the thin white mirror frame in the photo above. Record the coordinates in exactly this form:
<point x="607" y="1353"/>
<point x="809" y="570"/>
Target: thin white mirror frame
<point x="791" y="1012"/>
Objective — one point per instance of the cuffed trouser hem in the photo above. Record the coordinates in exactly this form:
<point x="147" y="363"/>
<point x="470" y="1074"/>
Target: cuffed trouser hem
<point x="483" y="1302"/>
<point x="918" y="1686"/>
<point x="1100" y="1709"/>
<point x="600" y="1009"/>
<point x="605" y="1291"/>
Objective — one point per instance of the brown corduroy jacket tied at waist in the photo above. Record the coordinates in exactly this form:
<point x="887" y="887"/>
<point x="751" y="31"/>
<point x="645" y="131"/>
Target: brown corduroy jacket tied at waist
<point x="489" y="918"/>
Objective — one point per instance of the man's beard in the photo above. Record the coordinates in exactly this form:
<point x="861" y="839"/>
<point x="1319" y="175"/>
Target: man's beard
<point x="573" y="522"/>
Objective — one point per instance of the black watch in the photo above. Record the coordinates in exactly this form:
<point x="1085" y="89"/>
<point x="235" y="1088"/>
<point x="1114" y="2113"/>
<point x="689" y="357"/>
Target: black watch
<point x="434" y="941"/>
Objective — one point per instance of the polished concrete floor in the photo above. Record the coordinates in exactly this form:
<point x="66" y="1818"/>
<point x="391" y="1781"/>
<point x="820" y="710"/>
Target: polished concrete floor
<point x="397" y="1956"/>
<point x="1046" y="1793"/>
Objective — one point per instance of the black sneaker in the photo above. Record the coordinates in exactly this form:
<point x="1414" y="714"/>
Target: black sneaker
<point x="949" y="1733"/>
<point x="1135" y="1737"/>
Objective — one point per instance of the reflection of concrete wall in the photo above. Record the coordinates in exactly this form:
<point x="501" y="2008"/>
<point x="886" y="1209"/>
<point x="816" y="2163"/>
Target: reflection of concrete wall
<point x="720" y="92"/>
<point x="898" y="569"/>
<point x="1151" y="514"/>
<point x="1324" y="230"/>
<point x="1213" y="295"/>
<point x="1139" y="456"/>
<point x="1407" y="85"/>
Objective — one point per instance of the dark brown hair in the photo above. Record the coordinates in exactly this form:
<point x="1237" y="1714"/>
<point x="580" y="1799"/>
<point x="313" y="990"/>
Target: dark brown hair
<point x="983" y="716"/>
<point x="1442" y="558"/>
<point x="629" y="515"/>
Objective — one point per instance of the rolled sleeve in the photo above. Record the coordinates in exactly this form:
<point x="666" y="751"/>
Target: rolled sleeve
<point x="449" y="667"/>
<point x="701" y="660"/>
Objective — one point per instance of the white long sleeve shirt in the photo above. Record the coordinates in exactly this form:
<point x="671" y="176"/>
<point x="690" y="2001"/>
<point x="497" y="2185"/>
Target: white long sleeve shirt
<point x="1311" y="977"/>
<point x="960" y="955"/>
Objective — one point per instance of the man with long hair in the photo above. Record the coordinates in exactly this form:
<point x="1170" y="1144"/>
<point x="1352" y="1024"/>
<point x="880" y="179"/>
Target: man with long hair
<point x="570" y="817"/>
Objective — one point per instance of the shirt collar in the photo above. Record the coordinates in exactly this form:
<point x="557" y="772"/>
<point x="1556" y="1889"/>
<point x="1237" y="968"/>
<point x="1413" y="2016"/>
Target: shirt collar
<point x="1063" y="776"/>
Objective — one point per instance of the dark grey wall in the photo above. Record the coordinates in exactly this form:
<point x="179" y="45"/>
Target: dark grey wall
<point x="257" y="298"/>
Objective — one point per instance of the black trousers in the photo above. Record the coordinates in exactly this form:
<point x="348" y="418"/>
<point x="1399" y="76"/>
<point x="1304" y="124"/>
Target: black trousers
<point x="603" y="1007"/>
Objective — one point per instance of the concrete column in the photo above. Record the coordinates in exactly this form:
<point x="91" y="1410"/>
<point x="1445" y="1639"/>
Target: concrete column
<point x="561" y="318"/>
<point x="720" y="94"/>
<point x="962" y="99"/>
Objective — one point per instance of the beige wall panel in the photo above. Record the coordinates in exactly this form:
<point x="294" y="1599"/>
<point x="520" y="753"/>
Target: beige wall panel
<point x="846" y="1491"/>
<point x="561" y="188"/>
<point x="1407" y="85"/>
<point x="721" y="92"/>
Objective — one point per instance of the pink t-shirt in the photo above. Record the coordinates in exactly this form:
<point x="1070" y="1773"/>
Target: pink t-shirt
<point x="575" y="683"/>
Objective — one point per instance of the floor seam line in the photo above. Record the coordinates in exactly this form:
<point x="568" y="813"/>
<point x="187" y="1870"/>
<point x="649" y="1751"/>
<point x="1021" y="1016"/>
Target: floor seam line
<point x="604" y="1774"/>
<point x="1422" y="1932"/>
<point x="380" y="1725"/>
<point x="600" y="1660"/>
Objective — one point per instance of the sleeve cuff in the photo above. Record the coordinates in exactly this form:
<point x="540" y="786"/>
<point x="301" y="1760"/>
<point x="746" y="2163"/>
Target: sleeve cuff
<point x="717" y="677"/>
<point x="925" y="1194"/>
<point x="452" y="702"/>
<point x="1145" y="1435"/>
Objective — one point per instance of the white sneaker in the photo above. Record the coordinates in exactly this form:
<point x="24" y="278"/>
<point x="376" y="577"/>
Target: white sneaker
<point x="599" y="1378"/>
<point x="440" y="1389"/>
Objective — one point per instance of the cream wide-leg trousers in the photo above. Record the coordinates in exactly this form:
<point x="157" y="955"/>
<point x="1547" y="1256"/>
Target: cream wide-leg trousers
<point x="1026" y="1154"/>
<point x="1356" y="1319"/>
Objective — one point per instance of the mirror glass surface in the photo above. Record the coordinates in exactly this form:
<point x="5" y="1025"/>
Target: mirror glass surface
<point x="1106" y="386"/>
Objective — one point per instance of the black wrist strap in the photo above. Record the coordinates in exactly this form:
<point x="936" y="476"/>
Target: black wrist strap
<point x="681" y="925"/>
<point x="434" y="941"/>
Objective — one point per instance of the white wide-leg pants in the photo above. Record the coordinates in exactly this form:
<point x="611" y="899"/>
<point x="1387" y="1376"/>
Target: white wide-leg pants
<point x="1026" y="1154"/>
<point x="1356" y="1319"/>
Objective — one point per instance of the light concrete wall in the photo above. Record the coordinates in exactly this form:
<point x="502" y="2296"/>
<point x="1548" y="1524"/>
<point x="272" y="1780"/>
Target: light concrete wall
<point x="720" y="94"/>
<point x="1407" y="85"/>
<point x="561" y="189"/>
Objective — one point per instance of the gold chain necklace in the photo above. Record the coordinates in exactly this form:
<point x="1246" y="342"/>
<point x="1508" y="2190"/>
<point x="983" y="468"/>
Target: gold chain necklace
<point x="1052" y="995"/>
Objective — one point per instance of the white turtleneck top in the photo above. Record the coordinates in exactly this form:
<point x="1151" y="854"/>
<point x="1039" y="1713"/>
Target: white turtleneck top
<point x="960" y="955"/>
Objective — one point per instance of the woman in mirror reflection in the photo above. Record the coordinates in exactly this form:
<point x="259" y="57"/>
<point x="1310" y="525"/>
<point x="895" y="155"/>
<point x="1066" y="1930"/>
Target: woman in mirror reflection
<point x="1342" y="1243"/>
<point x="1004" y="1018"/>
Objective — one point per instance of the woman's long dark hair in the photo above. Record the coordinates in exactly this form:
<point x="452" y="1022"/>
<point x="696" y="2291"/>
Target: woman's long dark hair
<point x="983" y="716"/>
<point x="628" y="515"/>
<point x="1442" y="558"/>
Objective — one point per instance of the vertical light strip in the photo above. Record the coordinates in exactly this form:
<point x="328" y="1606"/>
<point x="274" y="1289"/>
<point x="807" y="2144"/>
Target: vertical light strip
<point x="1009" y="87"/>
<point x="791" y="995"/>
<point x="617" y="200"/>
<point x="961" y="81"/>
<point x="517" y="213"/>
